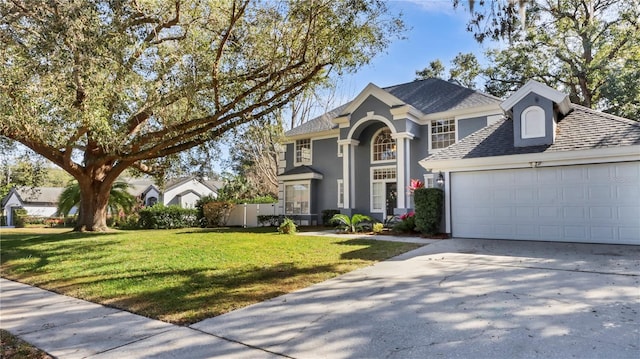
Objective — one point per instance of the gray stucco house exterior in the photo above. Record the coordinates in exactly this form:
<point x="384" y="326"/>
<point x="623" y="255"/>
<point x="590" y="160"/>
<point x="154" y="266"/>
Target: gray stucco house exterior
<point x="531" y="167"/>
<point x="361" y="156"/>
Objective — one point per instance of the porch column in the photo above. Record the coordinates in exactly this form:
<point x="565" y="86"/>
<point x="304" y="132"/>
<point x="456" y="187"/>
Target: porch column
<point x="348" y="171"/>
<point x="403" y="175"/>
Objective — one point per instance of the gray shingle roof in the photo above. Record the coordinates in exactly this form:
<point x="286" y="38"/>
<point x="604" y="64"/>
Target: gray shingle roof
<point x="429" y="96"/>
<point x="300" y="170"/>
<point x="47" y="195"/>
<point x="435" y="95"/>
<point x="318" y="124"/>
<point x="581" y="129"/>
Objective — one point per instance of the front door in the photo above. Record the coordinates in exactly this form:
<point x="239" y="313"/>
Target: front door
<point x="391" y="196"/>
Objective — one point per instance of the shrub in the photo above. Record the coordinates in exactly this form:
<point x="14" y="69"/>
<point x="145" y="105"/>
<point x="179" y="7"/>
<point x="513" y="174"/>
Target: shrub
<point x="378" y="227"/>
<point x="19" y="216"/>
<point x="199" y="207"/>
<point x="327" y="214"/>
<point x="217" y="213"/>
<point x="352" y="224"/>
<point x="428" y="203"/>
<point x="160" y="217"/>
<point x="269" y="220"/>
<point x="288" y="226"/>
<point x="407" y="223"/>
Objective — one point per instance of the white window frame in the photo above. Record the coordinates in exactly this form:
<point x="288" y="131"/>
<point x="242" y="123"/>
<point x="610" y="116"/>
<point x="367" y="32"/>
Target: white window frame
<point x="340" y="193"/>
<point x="533" y="127"/>
<point x="295" y="153"/>
<point x="298" y="183"/>
<point x="373" y="145"/>
<point x="430" y="180"/>
<point x="383" y="181"/>
<point x="431" y="127"/>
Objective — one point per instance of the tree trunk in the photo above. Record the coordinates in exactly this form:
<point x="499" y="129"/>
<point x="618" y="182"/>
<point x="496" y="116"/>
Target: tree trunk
<point x="94" y="198"/>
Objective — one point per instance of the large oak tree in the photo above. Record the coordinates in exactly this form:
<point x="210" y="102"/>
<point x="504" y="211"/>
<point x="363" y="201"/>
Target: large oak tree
<point x="99" y="86"/>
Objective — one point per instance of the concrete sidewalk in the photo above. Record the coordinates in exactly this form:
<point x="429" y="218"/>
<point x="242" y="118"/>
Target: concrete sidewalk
<point x="451" y="299"/>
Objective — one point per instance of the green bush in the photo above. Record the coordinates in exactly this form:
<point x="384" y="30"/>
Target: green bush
<point x="288" y="226"/>
<point x="160" y="217"/>
<point x="327" y="214"/>
<point x="428" y="203"/>
<point x="407" y="223"/>
<point x="269" y="220"/>
<point x="19" y="216"/>
<point x="3" y="220"/>
<point x="217" y="214"/>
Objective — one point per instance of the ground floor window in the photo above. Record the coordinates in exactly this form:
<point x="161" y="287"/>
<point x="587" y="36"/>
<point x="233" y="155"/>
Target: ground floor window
<point x="380" y="191"/>
<point x="340" y="193"/>
<point x="297" y="198"/>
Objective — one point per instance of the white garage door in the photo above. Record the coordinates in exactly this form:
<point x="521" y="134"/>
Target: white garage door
<point x="587" y="203"/>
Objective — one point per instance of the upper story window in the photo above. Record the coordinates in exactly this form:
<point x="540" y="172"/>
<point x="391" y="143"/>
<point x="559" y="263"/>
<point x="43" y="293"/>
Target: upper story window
<point x="383" y="146"/>
<point x="443" y="133"/>
<point x="303" y="152"/>
<point x="533" y="122"/>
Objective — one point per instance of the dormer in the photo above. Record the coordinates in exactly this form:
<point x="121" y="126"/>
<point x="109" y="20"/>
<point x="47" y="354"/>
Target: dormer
<point x="535" y="109"/>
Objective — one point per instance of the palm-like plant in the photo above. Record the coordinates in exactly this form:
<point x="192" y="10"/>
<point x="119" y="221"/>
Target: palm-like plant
<point x="353" y="223"/>
<point x="119" y="198"/>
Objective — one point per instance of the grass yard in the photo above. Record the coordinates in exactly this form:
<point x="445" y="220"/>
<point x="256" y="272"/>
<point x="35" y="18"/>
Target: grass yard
<point x="181" y="276"/>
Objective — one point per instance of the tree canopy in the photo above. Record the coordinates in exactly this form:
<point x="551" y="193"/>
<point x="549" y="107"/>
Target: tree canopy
<point x="99" y="86"/>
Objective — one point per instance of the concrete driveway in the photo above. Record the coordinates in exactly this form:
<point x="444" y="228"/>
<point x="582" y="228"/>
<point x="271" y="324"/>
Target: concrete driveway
<point x="459" y="299"/>
<point x="451" y="299"/>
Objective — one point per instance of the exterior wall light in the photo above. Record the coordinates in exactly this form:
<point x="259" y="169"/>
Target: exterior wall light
<point x="440" y="180"/>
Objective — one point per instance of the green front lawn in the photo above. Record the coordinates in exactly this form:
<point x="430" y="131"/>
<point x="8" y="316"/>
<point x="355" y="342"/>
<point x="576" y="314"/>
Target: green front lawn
<point x="181" y="276"/>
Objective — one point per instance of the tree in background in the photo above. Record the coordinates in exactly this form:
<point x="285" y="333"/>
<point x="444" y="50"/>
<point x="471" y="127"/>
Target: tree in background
<point x="100" y="86"/>
<point x="22" y="170"/>
<point x="588" y="48"/>
<point x="435" y="69"/>
<point x="119" y="199"/>
<point x="464" y="69"/>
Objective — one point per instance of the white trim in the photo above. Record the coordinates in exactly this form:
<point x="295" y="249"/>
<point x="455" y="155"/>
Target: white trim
<point x="306" y="183"/>
<point x="372" y="181"/>
<point x="560" y="98"/>
<point x="407" y="112"/>
<point x="373" y="143"/>
<point x="340" y="184"/>
<point x="430" y="140"/>
<point x="534" y="127"/>
<point x="466" y="112"/>
<point x="375" y="91"/>
<point x="313" y="136"/>
<point x="297" y="163"/>
<point x="544" y="159"/>
<point x="369" y="117"/>
<point x="301" y="176"/>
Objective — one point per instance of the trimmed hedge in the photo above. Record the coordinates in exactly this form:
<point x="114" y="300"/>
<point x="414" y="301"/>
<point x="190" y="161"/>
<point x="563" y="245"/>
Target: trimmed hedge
<point x="160" y="217"/>
<point x="217" y="213"/>
<point x="428" y="202"/>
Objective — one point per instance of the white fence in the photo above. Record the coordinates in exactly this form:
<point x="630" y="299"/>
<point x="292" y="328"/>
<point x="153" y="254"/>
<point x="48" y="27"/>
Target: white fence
<point x="246" y="215"/>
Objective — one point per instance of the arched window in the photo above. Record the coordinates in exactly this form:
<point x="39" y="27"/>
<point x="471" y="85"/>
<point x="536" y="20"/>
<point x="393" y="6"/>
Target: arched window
<point x="533" y="121"/>
<point x="383" y="146"/>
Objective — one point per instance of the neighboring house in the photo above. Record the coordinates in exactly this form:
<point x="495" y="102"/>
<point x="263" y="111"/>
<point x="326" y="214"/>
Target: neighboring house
<point x="360" y="157"/>
<point x="43" y="201"/>
<point x="185" y="192"/>
<point x="37" y="201"/>
<point x="550" y="170"/>
<point x="532" y="167"/>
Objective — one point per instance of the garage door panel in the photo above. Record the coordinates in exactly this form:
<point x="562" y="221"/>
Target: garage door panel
<point x="586" y="203"/>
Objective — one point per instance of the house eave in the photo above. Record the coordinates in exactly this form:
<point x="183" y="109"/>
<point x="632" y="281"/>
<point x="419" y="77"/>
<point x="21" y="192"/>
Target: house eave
<point x="300" y="176"/>
<point x="541" y="159"/>
<point x="463" y="113"/>
<point x="313" y="135"/>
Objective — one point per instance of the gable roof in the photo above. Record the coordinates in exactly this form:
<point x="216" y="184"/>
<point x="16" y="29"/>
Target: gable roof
<point x="36" y="195"/>
<point x="428" y="96"/>
<point x="581" y="129"/>
<point x="561" y="99"/>
<point x="176" y="182"/>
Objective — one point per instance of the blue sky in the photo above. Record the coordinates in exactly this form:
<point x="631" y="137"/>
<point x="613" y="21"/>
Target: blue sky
<point x="436" y="31"/>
